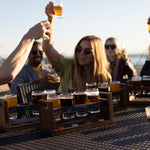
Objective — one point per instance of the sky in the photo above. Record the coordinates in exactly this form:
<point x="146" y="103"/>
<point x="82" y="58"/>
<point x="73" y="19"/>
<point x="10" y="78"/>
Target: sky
<point x="123" y="19"/>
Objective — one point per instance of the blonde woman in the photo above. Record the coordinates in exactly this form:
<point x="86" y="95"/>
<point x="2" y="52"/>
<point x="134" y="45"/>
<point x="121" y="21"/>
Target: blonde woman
<point x="120" y="65"/>
<point x="88" y="65"/>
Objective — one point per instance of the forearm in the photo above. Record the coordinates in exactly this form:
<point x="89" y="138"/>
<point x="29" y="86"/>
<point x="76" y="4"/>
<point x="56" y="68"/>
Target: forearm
<point x="130" y="67"/>
<point x="50" y="51"/>
<point x="16" y="60"/>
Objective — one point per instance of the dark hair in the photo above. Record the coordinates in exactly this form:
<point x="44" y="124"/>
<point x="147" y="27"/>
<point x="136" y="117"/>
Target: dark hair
<point x="36" y="43"/>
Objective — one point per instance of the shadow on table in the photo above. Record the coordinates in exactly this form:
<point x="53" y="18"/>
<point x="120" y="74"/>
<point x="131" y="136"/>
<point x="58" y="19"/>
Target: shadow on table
<point x="130" y="127"/>
<point x="20" y="136"/>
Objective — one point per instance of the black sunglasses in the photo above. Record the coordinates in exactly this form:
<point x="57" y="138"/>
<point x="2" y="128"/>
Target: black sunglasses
<point x="35" y="52"/>
<point x="87" y="51"/>
<point x="111" y="46"/>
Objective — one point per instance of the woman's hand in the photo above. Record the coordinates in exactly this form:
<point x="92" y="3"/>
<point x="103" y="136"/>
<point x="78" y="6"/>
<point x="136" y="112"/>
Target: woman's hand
<point x="125" y="56"/>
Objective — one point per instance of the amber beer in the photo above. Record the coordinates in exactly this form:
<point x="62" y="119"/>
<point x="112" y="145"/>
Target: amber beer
<point x="58" y="10"/>
<point x="115" y="86"/>
<point x="136" y="82"/>
<point x="55" y="100"/>
<point x="93" y="96"/>
<point x="12" y="102"/>
<point x="119" y="53"/>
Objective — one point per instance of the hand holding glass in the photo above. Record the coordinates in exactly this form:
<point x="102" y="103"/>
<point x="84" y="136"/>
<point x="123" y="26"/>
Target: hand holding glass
<point x="58" y="8"/>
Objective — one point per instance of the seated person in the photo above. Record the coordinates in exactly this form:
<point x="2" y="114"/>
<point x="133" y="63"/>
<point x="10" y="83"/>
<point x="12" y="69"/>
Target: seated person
<point x="120" y="65"/>
<point x="34" y="71"/>
<point x="16" y="60"/>
<point x="145" y="69"/>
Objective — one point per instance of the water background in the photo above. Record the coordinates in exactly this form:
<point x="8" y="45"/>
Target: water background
<point x="138" y="61"/>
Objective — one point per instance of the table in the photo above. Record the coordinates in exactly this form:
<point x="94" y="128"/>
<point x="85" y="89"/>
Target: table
<point x="130" y="130"/>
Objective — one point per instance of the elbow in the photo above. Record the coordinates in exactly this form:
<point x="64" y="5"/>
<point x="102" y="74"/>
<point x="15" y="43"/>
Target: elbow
<point x="10" y="77"/>
<point x="7" y="79"/>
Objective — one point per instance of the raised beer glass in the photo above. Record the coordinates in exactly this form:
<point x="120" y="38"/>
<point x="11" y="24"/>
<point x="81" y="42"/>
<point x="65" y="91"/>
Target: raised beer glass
<point x="58" y="8"/>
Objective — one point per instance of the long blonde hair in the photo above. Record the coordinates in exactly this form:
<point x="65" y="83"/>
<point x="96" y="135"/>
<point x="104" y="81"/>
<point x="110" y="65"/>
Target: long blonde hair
<point x="100" y="64"/>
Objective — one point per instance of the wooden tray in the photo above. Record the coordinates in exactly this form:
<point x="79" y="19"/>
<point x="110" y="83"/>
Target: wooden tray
<point x="17" y="124"/>
<point x="141" y="99"/>
<point x="50" y="126"/>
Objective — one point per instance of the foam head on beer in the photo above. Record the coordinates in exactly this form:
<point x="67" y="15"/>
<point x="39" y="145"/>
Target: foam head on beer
<point x="36" y="96"/>
<point x="92" y="96"/>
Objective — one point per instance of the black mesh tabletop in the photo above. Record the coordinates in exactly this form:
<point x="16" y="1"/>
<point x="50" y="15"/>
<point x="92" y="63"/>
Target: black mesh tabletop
<point x="130" y="130"/>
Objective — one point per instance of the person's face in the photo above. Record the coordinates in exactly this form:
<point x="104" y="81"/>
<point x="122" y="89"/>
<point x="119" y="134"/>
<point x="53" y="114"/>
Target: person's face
<point x="36" y="55"/>
<point x="111" y="48"/>
<point x="84" y="53"/>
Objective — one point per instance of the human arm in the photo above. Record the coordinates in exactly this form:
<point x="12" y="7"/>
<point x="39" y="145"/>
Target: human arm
<point x="129" y="67"/>
<point x="126" y="69"/>
<point x="51" y="53"/>
<point x="49" y="78"/>
<point x="16" y="60"/>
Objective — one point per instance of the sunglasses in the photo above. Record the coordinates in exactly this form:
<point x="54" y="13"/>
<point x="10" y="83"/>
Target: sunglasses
<point x="36" y="52"/>
<point x="111" y="46"/>
<point x="87" y="51"/>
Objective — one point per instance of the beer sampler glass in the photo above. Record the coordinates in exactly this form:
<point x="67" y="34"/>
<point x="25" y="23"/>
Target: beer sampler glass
<point x="93" y="96"/>
<point x="146" y="84"/>
<point x="66" y="100"/>
<point x="115" y="87"/>
<point x="103" y="87"/>
<point x="55" y="99"/>
<point x="135" y="83"/>
<point x="51" y="93"/>
<point x="146" y="80"/>
<point x="79" y="97"/>
<point x="90" y="86"/>
<point x="12" y="102"/>
<point x="36" y="96"/>
<point x="58" y="8"/>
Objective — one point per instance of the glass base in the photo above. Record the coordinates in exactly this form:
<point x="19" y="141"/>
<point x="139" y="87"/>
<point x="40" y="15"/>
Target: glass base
<point x="13" y="117"/>
<point x="94" y="111"/>
<point x="68" y="116"/>
<point x="81" y="114"/>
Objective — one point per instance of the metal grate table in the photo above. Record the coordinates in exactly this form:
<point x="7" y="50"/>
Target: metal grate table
<point x="130" y="130"/>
